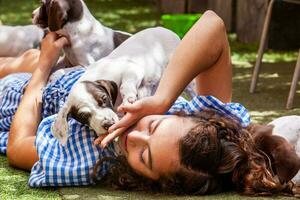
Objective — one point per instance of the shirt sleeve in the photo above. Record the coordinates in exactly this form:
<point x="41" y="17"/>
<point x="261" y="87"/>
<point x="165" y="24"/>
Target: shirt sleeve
<point x="199" y="103"/>
<point x="68" y="165"/>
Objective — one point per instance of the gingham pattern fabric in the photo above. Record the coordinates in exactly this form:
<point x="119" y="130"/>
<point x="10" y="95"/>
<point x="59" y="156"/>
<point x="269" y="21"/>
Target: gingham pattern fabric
<point x="73" y="163"/>
<point x="199" y="103"/>
<point x="11" y="91"/>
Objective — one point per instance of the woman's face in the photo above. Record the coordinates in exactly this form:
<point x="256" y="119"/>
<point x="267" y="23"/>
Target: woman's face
<point x="152" y="145"/>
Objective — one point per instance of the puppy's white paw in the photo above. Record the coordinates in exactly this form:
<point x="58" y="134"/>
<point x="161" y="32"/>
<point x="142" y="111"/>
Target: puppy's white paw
<point x="129" y="99"/>
<point x="59" y="130"/>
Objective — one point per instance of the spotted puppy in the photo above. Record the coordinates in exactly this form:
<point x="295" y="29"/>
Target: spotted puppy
<point x="288" y="127"/>
<point x="282" y="153"/>
<point x="130" y="72"/>
<point x="89" y="39"/>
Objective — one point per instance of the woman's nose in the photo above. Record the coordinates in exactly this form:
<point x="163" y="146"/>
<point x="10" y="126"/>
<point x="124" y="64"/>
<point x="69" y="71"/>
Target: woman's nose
<point x="137" y="137"/>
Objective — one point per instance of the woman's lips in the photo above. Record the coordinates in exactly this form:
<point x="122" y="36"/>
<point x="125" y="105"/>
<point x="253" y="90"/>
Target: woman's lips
<point x="125" y="145"/>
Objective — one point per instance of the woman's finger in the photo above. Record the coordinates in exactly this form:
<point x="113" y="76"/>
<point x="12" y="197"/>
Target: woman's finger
<point x="51" y="36"/>
<point x="99" y="139"/>
<point x="110" y="137"/>
<point x="128" y="120"/>
<point x="62" y="41"/>
<point x="134" y="107"/>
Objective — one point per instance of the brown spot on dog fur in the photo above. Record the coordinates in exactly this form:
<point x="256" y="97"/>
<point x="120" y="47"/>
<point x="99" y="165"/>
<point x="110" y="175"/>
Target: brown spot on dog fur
<point x="104" y="92"/>
<point x="284" y="159"/>
<point x="56" y="13"/>
<point x="119" y="38"/>
<point x="82" y="117"/>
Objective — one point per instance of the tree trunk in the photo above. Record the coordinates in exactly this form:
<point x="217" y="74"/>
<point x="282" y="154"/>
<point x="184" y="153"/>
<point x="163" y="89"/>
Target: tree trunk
<point x="172" y="6"/>
<point x="197" y="6"/>
<point x="224" y="9"/>
<point x="250" y="19"/>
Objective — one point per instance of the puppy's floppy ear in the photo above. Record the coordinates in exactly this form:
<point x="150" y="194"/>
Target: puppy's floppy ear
<point x="111" y="88"/>
<point x="60" y="127"/>
<point x="42" y="19"/>
<point x="259" y="132"/>
<point x="76" y="10"/>
<point x="286" y="162"/>
<point x="57" y="16"/>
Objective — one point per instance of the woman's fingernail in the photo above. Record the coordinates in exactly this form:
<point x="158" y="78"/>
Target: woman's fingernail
<point x="103" y="146"/>
<point x="111" y="129"/>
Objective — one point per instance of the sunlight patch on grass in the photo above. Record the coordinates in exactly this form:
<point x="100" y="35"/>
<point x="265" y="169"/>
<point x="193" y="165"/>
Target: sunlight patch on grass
<point x="245" y="54"/>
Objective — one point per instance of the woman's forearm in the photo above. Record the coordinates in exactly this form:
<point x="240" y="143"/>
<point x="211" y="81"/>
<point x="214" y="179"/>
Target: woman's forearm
<point x="26" y="120"/>
<point x="21" y="151"/>
<point x="30" y="105"/>
<point x="199" y="51"/>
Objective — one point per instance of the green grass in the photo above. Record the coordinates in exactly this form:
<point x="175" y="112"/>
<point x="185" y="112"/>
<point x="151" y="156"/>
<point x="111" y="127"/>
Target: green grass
<point x="127" y="15"/>
<point x="245" y="54"/>
<point x="13" y="185"/>
<point x="132" y="16"/>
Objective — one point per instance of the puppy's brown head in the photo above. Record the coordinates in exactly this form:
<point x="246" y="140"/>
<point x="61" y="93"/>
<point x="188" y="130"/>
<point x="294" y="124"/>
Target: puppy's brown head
<point x="104" y="94"/>
<point x="285" y="162"/>
<point x="56" y="13"/>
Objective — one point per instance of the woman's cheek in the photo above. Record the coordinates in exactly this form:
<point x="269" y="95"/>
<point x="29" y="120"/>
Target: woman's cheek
<point x="134" y="161"/>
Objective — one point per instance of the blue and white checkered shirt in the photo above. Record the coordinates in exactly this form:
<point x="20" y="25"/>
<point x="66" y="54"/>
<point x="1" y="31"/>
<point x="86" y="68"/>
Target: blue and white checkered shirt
<point x="73" y="163"/>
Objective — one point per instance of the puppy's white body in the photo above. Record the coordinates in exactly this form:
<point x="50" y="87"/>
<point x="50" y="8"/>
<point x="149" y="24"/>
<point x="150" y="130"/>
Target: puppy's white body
<point x="288" y="127"/>
<point x="15" y="40"/>
<point x="135" y="66"/>
<point x="89" y="38"/>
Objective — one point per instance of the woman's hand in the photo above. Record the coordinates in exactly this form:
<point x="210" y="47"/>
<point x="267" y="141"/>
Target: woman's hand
<point x="51" y="46"/>
<point x="134" y="112"/>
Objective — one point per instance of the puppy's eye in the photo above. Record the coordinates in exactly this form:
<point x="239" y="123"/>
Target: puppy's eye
<point x="104" y="98"/>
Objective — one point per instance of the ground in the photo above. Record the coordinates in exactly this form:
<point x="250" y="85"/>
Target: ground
<point x="134" y="15"/>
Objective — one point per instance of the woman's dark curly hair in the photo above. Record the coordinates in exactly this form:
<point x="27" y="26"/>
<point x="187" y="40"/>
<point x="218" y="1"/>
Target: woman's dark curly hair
<point x="217" y="154"/>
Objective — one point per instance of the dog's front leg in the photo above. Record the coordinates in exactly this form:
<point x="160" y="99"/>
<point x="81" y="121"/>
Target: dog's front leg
<point x="59" y="128"/>
<point x="129" y="87"/>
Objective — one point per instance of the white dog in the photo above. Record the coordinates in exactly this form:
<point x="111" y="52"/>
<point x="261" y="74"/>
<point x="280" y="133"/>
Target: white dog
<point x="89" y="39"/>
<point x="15" y="40"/>
<point x="134" y="68"/>
<point x="288" y="127"/>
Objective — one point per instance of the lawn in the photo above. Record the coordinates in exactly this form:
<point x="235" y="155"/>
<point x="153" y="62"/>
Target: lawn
<point x="134" y="15"/>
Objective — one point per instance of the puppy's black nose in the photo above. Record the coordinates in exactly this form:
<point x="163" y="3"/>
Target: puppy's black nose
<point x="107" y="124"/>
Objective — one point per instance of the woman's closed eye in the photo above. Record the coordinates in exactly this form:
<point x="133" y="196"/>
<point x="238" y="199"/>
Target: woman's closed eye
<point x="141" y="156"/>
<point x="147" y="160"/>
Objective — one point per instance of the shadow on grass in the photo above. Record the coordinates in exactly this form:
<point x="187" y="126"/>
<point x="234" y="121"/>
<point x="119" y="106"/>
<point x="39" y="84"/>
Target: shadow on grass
<point x="270" y="98"/>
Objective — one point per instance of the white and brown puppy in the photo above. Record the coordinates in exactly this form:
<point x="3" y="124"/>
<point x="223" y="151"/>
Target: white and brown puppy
<point x="288" y="127"/>
<point x="274" y="141"/>
<point x="132" y="71"/>
<point x="15" y="40"/>
<point x="89" y="39"/>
